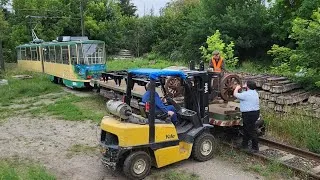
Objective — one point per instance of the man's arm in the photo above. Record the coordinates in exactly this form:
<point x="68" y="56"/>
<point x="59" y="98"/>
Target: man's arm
<point x="238" y="95"/>
<point x="159" y="103"/>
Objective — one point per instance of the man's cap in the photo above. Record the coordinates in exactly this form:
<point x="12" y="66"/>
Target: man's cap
<point x="216" y="52"/>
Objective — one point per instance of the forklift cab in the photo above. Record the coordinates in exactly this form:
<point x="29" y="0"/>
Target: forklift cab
<point x="137" y="146"/>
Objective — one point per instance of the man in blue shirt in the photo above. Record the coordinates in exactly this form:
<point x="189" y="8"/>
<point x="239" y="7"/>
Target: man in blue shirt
<point x="160" y="107"/>
<point x="249" y="106"/>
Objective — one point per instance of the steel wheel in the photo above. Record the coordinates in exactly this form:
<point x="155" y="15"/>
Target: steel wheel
<point x="173" y="87"/>
<point x="227" y="85"/>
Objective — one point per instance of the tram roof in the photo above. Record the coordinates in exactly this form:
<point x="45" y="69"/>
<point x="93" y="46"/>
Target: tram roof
<point x="53" y="43"/>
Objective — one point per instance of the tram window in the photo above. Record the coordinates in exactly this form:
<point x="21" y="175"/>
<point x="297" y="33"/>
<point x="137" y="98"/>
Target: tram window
<point x="91" y="53"/>
<point x="73" y="54"/>
<point x="58" y="54"/>
<point x="52" y="54"/>
<point x="65" y="54"/>
<point x="28" y="53"/>
<point x="19" y="54"/>
<point x="46" y="54"/>
<point x="23" y="53"/>
<point x="34" y="54"/>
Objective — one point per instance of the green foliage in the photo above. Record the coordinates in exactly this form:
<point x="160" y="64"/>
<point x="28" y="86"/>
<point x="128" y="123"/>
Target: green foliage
<point x="214" y="42"/>
<point x="3" y="25"/>
<point x="17" y="169"/>
<point x="307" y="52"/>
<point x="127" y="8"/>
<point x="300" y="130"/>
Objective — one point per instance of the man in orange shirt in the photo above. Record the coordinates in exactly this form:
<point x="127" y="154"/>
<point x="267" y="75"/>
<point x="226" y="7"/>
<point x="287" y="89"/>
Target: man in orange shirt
<point x="217" y="66"/>
<point x="217" y="62"/>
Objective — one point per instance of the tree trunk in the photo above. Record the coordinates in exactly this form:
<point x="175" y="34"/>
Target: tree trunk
<point x="1" y="57"/>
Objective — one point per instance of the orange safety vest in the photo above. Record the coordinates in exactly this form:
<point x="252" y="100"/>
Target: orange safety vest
<point x="217" y="66"/>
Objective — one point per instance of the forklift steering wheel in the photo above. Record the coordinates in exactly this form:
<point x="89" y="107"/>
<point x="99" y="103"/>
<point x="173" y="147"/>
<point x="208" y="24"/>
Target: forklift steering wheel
<point x="170" y="101"/>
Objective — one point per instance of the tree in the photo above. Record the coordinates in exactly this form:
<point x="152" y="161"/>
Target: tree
<point x="306" y="55"/>
<point x="127" y="8"/>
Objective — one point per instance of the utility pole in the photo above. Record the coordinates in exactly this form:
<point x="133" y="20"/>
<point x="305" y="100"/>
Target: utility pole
<point x="1" y="57"/>
<point x="82" y="22"/>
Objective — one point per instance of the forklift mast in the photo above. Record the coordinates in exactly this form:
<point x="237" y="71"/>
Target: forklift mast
<point x="199" y="91"/>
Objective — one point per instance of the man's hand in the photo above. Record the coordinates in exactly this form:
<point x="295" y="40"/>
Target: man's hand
<point x="170" y="113"/>
<point x="237" y="88"/>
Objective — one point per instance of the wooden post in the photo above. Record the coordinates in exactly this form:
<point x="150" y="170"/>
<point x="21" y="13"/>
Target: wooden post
<point x="1" y="57"/>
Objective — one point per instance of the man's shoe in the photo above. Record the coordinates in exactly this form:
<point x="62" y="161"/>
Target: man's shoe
<point x="241" y="147"/>
<point x="254" y="151"/>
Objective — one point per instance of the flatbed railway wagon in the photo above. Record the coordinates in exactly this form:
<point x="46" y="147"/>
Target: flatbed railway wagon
<point x="72" y="61"/>
<point x="226" y="116"/>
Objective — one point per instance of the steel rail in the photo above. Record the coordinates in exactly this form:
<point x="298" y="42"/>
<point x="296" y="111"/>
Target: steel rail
<point x="273" y="144"/>
<point x="290" y="149"/>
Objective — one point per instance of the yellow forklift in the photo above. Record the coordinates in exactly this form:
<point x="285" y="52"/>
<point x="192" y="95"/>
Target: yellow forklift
<point x="135" y="142"/>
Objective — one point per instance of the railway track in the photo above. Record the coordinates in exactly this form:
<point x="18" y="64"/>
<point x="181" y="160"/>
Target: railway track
<point x="301" y="161"/>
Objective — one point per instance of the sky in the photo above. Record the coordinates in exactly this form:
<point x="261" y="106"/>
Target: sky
<point x="146" y="6"/>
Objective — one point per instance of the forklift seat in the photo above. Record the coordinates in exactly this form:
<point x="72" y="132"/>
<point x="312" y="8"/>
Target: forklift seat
<point x="142" y="106"/>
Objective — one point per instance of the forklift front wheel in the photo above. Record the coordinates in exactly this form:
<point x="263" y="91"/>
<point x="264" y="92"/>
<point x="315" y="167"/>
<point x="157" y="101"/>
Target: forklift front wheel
<point x="203" y="147"/>
<point x="137" y="165"/>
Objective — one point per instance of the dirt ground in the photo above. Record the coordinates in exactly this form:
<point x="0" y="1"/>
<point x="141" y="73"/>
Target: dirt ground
<point x="49" y="141"/>
<point x="69" y="149"/>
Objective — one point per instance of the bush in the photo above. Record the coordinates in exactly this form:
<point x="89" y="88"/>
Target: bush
<point x="214" y="42"/>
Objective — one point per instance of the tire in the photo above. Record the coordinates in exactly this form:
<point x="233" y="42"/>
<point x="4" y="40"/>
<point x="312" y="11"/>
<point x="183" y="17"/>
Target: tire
<point x="132" y="165"/>
<point x="203" y="147"/>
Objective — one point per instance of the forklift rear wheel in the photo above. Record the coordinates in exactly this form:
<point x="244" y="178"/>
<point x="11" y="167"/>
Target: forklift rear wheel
<point x="137" y="165"/>
<point x="203" y="147"/>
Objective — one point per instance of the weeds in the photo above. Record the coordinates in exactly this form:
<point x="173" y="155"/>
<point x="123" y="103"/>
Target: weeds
<point x="271" y="170"/>
<point x="140" y="63"/>
<point x="301" y="131"/>
<point x="17" y="169"/>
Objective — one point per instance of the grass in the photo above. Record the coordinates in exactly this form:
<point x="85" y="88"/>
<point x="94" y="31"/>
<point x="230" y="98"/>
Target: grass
<point x="176" y="175"/>
<point x="13" y="169"/>
<point x="21" y="88"/>
<point x="253" y="67"/>
<point x="269" y="170"/>
<point x="140" y="63"/>
<point x="75" y="108"/>
<point x="301" y="131"/>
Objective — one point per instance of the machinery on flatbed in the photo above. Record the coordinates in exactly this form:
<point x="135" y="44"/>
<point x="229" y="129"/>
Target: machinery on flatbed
<point x="137" y="142"/>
